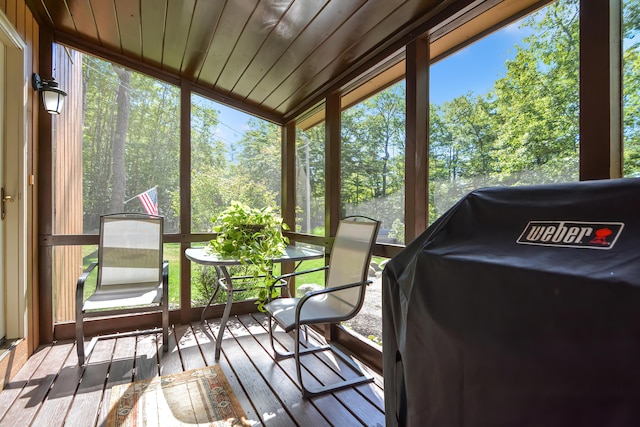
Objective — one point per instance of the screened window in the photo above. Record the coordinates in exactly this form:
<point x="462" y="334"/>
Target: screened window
<point x="310" y="182"/>
<point x="128" y="158"/>
<point x="372" y="165"/>
<point x="116" y="148"/>
<point x="372" y="161"/>
<point x="505" y="110"/>
<point x="234" y="157"/>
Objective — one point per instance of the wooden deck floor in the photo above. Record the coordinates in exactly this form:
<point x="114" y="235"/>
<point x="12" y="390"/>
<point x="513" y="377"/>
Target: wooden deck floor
<point x="52" y="390"/>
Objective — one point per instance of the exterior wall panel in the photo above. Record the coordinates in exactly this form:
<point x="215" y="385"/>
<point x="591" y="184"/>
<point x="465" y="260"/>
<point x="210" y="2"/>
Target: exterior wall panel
<point x="67" y="185"/>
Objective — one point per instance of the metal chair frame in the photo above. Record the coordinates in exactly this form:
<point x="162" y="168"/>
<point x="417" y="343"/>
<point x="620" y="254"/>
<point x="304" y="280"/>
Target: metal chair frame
<point x="299" y="304"/>
<point x="163" y="305"/>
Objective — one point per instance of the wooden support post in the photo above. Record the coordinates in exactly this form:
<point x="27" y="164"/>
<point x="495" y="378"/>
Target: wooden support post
<point x="417" y="139"/>
<point x="333" y="146"/>
<point x="45" y="199"/>
<point x="288" y="191"/>
<point x="185" y="199"/>
<point x="600" y="89"/>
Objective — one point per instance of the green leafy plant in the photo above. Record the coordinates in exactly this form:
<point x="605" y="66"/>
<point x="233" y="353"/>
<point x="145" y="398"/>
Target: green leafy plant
<point x="254" y="236"/>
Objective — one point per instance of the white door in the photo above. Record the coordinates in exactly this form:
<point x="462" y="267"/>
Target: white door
<point x="3" y="311"/>
<point x="13" y="229"/>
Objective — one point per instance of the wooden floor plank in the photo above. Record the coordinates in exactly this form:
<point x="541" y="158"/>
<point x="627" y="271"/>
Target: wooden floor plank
<point x="331" y="407"/>
<point x="120" y="372"/>
<point x="315" y="373"/>
<point x="170" y="362"/>
<point x="320" y="369"/>
<point x="268" y="406"/>
<point x="85" y="406"/>
<point x="53" y="390"/>
<point x="13" y="388"/>
<point x="206" y="340"/>
<point x="53" y="411"/>
<point x="189" y="350"/>
<point x="373" y="392"/>
<point x="205" y="335"/>
<point x="24" y="409"/>
<point x="364" y="403"/>
<point x="303" y="411"/>
<point x="147" y="357"/>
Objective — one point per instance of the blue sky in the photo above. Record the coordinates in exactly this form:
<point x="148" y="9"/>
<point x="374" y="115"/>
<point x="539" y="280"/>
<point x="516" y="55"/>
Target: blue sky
<point x="232" y="123"/>
<point x="473" y="69"/>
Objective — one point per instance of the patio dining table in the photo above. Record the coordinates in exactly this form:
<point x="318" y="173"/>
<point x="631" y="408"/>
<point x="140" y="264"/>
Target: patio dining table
<point x="204" y="256"/>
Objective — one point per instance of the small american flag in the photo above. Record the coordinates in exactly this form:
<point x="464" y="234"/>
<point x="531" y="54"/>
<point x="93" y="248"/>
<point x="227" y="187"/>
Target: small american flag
<point x="149" y="200"/>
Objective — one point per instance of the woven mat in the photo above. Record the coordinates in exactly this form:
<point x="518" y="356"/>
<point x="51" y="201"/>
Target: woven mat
<point x="201" y="397"/>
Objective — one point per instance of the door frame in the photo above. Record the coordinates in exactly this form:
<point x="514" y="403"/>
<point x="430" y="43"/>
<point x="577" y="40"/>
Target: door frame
<point x="15" y="169"/>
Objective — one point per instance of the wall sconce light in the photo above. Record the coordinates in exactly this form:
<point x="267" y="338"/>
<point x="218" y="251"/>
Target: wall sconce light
<point x="52" y="97"/>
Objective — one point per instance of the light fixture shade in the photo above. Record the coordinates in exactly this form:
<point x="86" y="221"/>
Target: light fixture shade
<point x="53" y="99"/>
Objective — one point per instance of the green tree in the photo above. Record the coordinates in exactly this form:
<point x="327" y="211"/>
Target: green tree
<point x="254" y="178"/>
<point x="130" y="142"/>
<point x="208" y="165"/>
<point x="462" y="148"/>
<point x="538" y="101"/>
<point x="525" y="130"/>
<point x="153" y="146"/>
<point x="100" y="85"/>
<point x="310" y="155"/>
<point x="372" y="158"/>
<point x="123" y="105"/>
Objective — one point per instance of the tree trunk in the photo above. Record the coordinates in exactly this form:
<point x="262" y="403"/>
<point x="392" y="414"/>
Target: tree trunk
<point x="123" y="103"/>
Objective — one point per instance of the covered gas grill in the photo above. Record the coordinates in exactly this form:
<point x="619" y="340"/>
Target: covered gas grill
<point x="519" y="307"/>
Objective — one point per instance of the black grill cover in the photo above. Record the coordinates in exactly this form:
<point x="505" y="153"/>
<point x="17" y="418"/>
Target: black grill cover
<point x="493" y="318"/>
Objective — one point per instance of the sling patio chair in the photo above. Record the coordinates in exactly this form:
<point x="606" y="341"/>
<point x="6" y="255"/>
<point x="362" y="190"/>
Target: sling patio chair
<point x="339" y="300"/>
<point x="131" y="276"/>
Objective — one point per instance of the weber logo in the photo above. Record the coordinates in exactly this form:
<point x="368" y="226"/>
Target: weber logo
<point x="591" y="235"/>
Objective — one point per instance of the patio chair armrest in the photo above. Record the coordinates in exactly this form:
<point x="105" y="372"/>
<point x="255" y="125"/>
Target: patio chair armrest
<point x="299" y="273"/>
<point x="311" y="294"/>
<point x="165" y="271"/>
<point x="333" y="289"/>
<point x="80" y="286"/>
<point x="85" y="274"/>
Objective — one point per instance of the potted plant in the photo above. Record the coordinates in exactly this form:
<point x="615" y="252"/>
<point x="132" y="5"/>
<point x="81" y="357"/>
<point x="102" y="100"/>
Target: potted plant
<point x="254" y="236"/>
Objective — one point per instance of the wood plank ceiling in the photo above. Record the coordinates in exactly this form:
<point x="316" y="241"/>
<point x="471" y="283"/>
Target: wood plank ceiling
<point x="275" y="57"/>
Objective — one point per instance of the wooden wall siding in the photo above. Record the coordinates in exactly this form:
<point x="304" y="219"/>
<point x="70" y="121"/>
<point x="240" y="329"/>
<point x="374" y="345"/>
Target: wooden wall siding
<point x="27" y="27"/>
<point x="32" y="37"/>
<point x="20" y="16"/>
<point x="67" y="185"/>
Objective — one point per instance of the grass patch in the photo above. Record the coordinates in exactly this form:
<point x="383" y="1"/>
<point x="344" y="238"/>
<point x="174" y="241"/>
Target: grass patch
<point x="171" y="254"/>
<point x="201" y="286"/>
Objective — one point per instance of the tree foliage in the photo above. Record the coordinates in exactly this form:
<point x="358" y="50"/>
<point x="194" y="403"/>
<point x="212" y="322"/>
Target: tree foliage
<point x="130" y="142"/>
<point x="372" y="157"/>
<point x="524" y="130"/>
